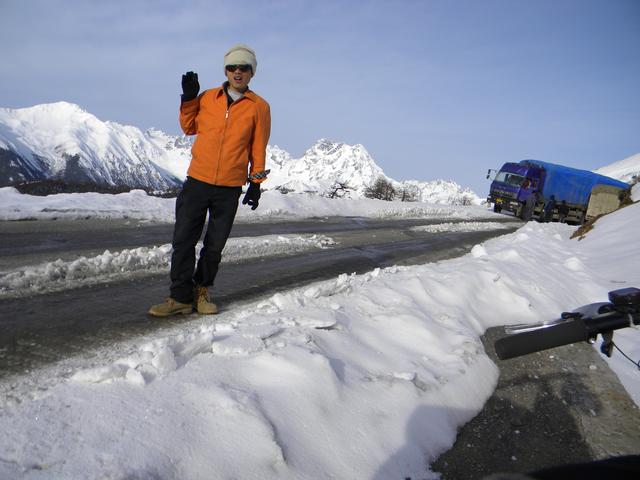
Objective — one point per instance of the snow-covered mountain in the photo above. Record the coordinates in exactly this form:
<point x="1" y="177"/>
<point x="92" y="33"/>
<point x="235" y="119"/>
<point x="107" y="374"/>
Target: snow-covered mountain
<point x="439" y="191"/>
<point x="328" y="163"/>
<point x="624" y="170"/>
<point x="324" y="164"/>
<point x="177" y="151"/>
<point x="62" y="141"/>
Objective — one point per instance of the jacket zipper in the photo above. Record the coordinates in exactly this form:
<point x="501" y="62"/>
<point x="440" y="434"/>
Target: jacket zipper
<point x="224" y="130"/>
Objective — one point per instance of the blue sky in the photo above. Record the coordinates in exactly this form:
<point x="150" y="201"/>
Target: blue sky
<point x="434" y="89"/>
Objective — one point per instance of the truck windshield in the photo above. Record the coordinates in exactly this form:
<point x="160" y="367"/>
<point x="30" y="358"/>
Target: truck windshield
<point x="510" y="178"/>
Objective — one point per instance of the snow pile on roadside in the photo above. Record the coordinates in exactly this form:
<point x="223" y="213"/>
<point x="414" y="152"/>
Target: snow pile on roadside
<point x="133" y="204"/>
<point x="61" y="275"/>
<point x="362" y="376"/>
<point x="461" y="227"/>
<point x="273" y="205"/>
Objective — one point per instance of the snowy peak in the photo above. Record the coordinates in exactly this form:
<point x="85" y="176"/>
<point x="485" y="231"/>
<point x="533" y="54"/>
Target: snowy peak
<point x="329" y="163"/>
<point x="324" y="164"/>
<point x="48" y="116"/>
<point x="324" y="147"/>
<point x="176" y="151"/>
<point x="169" y="142"/>
<point x="340" y="154"/>
<point x="277" y="157"/>
<point x="60" y="128"/>
<point x="63" y="141"/>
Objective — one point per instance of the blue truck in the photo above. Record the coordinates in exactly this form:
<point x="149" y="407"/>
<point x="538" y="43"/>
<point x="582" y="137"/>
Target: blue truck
<point x="516" y="182"/>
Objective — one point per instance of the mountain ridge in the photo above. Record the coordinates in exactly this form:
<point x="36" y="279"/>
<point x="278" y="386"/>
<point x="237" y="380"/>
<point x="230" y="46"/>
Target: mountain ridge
<point x="62" y="141"/>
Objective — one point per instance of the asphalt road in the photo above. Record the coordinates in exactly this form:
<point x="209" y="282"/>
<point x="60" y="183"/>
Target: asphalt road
<point x="33" y="242"/>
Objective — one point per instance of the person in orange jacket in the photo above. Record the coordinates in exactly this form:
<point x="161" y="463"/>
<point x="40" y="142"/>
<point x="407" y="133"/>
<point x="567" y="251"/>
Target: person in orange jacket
<point x="232" y="126"/>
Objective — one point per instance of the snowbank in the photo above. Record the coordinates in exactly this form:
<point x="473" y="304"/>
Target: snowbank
<point x="273" y="205"/>
<point x="461" y="227"/>
<point x="134" y="204"/>
<point x="60" y="275"/>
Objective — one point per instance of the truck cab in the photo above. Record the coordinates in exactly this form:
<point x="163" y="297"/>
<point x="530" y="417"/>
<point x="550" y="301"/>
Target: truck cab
<point x="512" y="185"/>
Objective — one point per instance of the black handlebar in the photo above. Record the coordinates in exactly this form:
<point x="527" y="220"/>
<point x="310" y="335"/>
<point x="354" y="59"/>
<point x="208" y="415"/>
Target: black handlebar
<point x="519" y="344"/>
<point x="583" y="324"/>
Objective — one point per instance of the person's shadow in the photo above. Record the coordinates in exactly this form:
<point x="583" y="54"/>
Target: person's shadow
<point x="428" y="434"/>
<point x="504" y="437"/>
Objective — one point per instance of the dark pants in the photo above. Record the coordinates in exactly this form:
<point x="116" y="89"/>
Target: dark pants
<point x="195" y="200"/>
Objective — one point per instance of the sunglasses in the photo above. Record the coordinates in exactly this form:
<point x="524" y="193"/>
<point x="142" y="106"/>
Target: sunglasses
<point x="233" y="68"/>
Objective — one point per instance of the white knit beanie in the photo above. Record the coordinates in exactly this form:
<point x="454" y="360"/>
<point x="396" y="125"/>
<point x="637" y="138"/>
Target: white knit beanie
<point x="241" y="55"/>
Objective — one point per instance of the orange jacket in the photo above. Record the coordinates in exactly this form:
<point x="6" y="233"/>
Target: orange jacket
<point x="229" y="140"/>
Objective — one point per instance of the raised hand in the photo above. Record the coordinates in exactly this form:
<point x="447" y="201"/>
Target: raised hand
<point x="190" y="86"/>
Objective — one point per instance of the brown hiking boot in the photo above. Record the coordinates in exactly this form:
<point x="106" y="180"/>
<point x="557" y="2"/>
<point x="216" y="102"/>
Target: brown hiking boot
<point x="170" y="307"/>
<point x="202" y="302"/>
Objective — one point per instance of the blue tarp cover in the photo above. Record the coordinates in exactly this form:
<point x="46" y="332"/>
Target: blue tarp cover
<point x="570" y="184"/>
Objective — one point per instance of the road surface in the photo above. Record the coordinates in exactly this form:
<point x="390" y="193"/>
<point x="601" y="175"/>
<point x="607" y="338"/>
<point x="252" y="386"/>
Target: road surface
<point x="42" y="329"/>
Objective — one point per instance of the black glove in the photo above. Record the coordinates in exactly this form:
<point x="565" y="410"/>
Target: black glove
<point x="252" y="196"/>
<point x="190" y="86"/>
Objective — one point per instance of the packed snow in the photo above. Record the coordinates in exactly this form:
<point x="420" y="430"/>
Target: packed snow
<point x="361" y="376"/>
<point x="61" y="275"/>
<point x="273" y="206"/>
<point x="460" y="227"/>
